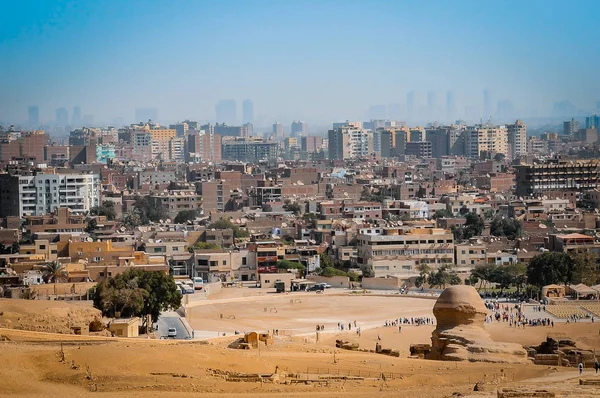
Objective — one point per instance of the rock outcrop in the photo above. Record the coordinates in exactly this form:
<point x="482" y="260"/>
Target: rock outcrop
<point x="460" y="336"/>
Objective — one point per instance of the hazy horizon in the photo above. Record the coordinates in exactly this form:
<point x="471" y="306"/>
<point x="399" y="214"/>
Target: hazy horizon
<point x="317" y="61"/>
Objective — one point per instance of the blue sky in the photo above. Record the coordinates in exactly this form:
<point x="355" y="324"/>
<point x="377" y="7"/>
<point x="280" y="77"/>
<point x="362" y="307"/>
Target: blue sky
<point x="314" y="60"/>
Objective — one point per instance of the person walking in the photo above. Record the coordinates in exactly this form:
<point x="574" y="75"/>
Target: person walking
<point x="596" y="365"/>
<point x="580" y="366"/>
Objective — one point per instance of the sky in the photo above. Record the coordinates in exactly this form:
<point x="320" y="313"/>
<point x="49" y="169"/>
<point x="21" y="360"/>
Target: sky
<point x="319" y="61"/>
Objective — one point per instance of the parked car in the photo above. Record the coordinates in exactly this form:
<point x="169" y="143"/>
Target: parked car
<point x="315" y="288"/>
<point x="198" y="283"/>
<point x="172" y="332"/>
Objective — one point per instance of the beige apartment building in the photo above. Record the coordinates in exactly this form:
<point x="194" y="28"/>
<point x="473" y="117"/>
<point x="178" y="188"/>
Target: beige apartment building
<point x="491" y="139"/>
<point x="517" y="138"/>
<point x="223" y="265"/>
<point x="392" y="251"/>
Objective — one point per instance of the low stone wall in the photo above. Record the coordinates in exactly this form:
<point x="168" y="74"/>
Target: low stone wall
<point x="334" y="281"/>
<point x="382" y="283"/>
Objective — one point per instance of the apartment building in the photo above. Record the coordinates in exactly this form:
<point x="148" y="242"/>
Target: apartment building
<point x="557" y="174"/>
<point x="177" y="200"/>
<point x="350" y="143"/>
<point x="223" y="266"/>
<point x="249" y="149"/>
<point x="392" y="251"/>
<point x="419" y="149"/>
<point x="203" y="146"/>
<point x="486" y="139"/>
<point x="517" y="138"/>
<point x="26" y="144"/>
<point x="36" y="195"/>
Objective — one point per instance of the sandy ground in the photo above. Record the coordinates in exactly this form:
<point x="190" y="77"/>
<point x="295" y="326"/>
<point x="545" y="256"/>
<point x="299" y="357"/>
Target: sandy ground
<point x="30" y="364"/>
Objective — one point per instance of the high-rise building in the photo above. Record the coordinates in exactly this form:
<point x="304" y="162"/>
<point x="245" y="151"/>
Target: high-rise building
<point x="394" y="112"/>
<point x="592" y="122"/>
<point x="76" y="121"/>
<point x="570" y="127"/>
<point x="146" y="114"/>
<point x="421" y="149"/>
<point x="33" y="116"/>
<point x="29" y="145"/>
<point x="431" y="105"/>
<point x="298" y="128"/>
<point x="410" y="105"/>
<point x="278" y="130"/>
<point x="204" y="146"/>
<point x="250" y="149"/>
<point x="311" y="143"/>
<point x="486" y="139"/>
<point x="517" y="138"/>
<point x="226" y="112"/>
<point x="62" y="117"/>
<point x="450" y="106"/>
<point x="488" y="110"/>
<point x="40" y="194"/>
<point x="350" y="143"/>
<point x="377" y="112"/>
<point x="440" y="141"/>
<point x="556" y="174"/>
<point x="248" y="112"/>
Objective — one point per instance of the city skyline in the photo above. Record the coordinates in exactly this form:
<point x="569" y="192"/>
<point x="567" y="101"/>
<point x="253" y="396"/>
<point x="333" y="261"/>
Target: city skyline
<point x="63" y="56"/>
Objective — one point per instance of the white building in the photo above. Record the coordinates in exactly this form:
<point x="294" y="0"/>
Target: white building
<point x="43" y="193"/>
<point x="350" y="143"/>
<point x="517" y="138"/>
<point x="486" y="139"/>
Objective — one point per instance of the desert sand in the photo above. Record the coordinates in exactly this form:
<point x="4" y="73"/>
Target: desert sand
<point x="31" y="361"/>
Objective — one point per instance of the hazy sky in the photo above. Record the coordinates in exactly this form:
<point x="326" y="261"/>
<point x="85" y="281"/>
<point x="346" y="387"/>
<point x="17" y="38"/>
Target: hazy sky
<point x="314" y="60"/>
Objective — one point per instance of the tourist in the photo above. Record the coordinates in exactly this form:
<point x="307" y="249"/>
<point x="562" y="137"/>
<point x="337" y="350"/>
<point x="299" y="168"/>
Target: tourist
<point x="580" y="366"/>
<point x="596" y="365"/>
<point x="378" y="337"/>
<point x="399" y="329"/>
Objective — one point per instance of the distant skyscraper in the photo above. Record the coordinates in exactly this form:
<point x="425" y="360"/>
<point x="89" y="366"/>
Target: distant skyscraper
<point x="570" y="127"/>
<point x="76" y="121"/>
<point x="393" y="111"/>
<point x="450" y="106"/>
<point x="278" y="130"/>
<point x="377" y="112"/>
<point x="431" y="105"/>
<point x="145" y="114"/>
<point x="487" y="104"/>
<point x="592" y="122"/>
<point x="248" y="112"/>
<point x="410" y="105"/>
<point x="62" y="117"/>
<point x="505" y="110"/>
<point x="226" y="112"/>
<point x="33" y="116"/>
<point x="298" y="128"/>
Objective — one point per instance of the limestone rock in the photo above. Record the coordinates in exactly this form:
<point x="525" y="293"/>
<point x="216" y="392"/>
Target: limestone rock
<point x="460" y="336"/>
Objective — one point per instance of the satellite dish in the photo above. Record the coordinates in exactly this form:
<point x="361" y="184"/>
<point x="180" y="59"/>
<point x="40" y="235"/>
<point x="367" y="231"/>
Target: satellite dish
<point x="161" y="221"/>
<point x="168" y="221"/>
<point x="89" y="239"/>
<point x="150" y="240"/>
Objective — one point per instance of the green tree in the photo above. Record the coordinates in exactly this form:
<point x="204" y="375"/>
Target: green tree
<point x="160" y="293"/>
<point x="203" y="246"/>
<point x="286" y="264"/>
<point x="131" y="219"/>
<point x="585" y="268"/>
<point x="442" y="277"/>
<point x="330" y="271"/>
<point x="509" y="227"/>
<point x="443" y="213"/>
<point x="484" y="274"/>
<point x="91" y="227"/>
<point x="473" y="227"/>
<point x="107" y="209"/>
<point x="293" y="207"/>
<point x="185" y="215"/>
<point x="326" y="261"/>
<point x="224" y="223"/>
<point x="54" y="272"/>
<point x="148" y="211"/>
<point x="550" y="268"/>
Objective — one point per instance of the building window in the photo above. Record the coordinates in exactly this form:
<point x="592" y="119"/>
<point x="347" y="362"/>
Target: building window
<point x="224" y="262"/>
<point x="42" y="247"/>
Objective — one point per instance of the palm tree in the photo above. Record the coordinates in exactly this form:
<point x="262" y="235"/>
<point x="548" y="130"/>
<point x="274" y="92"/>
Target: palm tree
<point x="55" y="272"/>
